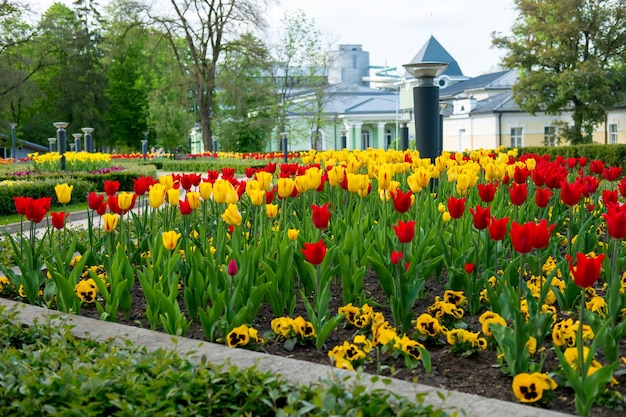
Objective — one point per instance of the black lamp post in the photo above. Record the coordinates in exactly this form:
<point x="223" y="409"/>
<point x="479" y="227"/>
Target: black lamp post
<point x="88" y="138"/>
<point x="344" y="139"/>
<point x="283" y="137"/>
<point x="144" y="145"/>
<point x="426" y="107"/>
<point x="404" y="135"/>
<point x="13" y="145"/>
<point x="214" y="146"/>
<point x="77" y="137"/>
<point x="52" y="142"/>
<point x="61" y="140"/>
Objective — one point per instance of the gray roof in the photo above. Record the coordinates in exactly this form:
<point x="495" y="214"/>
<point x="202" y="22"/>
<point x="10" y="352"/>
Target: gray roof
<point x="357" y="99"/>
<point x="495" y="80"/>
<point x="502" y="102"/>
<point x="432" y="51"/>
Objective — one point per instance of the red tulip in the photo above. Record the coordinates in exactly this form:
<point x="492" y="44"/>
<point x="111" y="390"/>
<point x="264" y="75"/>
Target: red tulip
<point x="269" y="196"/>
<point x="542" y="234"/>
<point x="396" y="256"/>
<point x="402" y="201"/>
<point x="497" y="228"/>
<point x="542" y="197"/>
<point x="21" y="204"/>
<point x="111" y="187"/>
<point x="321" y="216"/>
<point x="314" y="252"/>
<point x="184" y="208"/>
<point x="571" y="193"/>
<point x="480" y="216"/>
<point x="616" y="220"/>
<point x="487" y="192"/>
<point x="520" y="174"/>
<point x="622" y="187"/>
<point x="609" y="196"/>
<point x="102" y="209"/>
<point x="522" y="236"/>
<point x="142" y="184"/>
<point x="37" y="209"/>
<point x="518" y="193"/>
<point x="596" y="166"/>
<point x="405" y="231"/>
<point x="94" y="201"/>
<point x="114" y="205"/>
<point x="58" y="219"/>
<point x="587" y="269"/>
<point x="456" y="206"/>
<point x="228" y="173"/>
<point x="589" y="185"/>
<point x="189" y="180"/>
<point x="232" y="268"/>
<point x="612" y="173"/>
<point x="469" y="268"/>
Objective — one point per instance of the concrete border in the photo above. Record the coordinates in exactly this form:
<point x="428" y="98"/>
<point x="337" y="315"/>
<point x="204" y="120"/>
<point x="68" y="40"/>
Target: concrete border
<point x="294" y="371"/>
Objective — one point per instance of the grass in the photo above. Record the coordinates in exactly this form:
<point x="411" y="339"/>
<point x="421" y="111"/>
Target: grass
<point x="69" y="208"/>
<point x="44" y="369"/>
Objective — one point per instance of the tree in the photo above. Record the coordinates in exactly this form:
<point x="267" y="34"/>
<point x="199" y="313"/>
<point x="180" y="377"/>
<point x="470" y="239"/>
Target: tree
<point x="245" y="97"/>
<point x="571" y="56"/>
<point x="207" y="26"/>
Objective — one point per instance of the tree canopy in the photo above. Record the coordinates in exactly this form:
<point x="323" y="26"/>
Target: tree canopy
<point x="571" y="55"/>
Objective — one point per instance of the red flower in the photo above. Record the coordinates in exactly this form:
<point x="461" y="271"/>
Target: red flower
<point x="523" y="236"/>
<point x="189" y="180"/>
<point x="542" y="197"/>
<point x="609" y="196"/>
<point x="542" y="234"/>
<point x="480" y="216"/>
<point x="456" y="206"/>
<point x="487" y="192"/>
<point x="111" y="187"/>
<point x="321" y="216"/>
<point x="314" y="252"/>
<point x="102" y="209"/>
<point x="622" y="187"/>
<point x="114" y="206"/>
<point x="142" y="184"/>
<point x="589" y="185"/>
<point x="615" y="217"/>
<point x="596" y="166"/>
<point x="520" y="175"/>
<point x="58" y="219"/>
<point x="269" y="196"/>
<point x="571" y="193"/>
<point x="587" y="269"/>
<point x="469" y="268"/>
<point x="402" y="201"/>
<point x="396" y="255"/>
<point x="612" y="173"/>
<point x="405" y="231"/>
<point x="21" y="204"/>
<point x="518" y="193"/>
<point x="232" y="268"/>
<point x="183" y="206"/>
<point x="228" y="173"/>
<point x="497" y="228"/>
<point x="37" y="209"/>
<point x="94" y="200"/>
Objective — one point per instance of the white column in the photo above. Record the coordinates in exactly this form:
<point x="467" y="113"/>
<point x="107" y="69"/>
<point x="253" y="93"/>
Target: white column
<point x="358" y="140"/>
<point x="381" y="136"/>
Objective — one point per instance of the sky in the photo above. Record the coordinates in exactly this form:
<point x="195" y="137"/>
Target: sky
<point x="393" y="31"/>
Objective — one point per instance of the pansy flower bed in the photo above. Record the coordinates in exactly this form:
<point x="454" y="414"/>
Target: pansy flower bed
<point x="526" y="255"/>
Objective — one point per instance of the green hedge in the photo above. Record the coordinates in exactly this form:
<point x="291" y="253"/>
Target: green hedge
<point x="611" y="155"/>
<point x="205" y="164"/>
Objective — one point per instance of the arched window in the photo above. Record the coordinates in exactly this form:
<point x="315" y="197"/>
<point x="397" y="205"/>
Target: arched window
<point x="388" y="138"/>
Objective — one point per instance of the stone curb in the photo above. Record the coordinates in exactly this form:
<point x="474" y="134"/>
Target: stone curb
<point x="294" y="371"/>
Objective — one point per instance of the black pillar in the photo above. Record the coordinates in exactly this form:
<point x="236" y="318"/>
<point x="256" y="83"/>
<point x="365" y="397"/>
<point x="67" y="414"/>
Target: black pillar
<point x="61" y="141"/>
<point x="344" y="140"/>
<point x="285" y="143"/>
<point x="404" y="136"/>
<point x="427" y="136"/>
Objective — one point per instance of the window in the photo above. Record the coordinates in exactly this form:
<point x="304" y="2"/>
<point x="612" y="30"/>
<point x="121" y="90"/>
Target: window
<point x="517" y="140"/>
<point x="388" y="138"/>
<point x="365" y="139"/>
<point x="613" y="133"/>
<point x="549" y="136"/>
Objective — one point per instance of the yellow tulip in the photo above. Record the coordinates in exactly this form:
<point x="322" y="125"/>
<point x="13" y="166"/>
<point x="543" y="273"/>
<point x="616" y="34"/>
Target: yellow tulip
<point x="167" y="181"/>
<point x="206" y="189"/>
<point x="231" y="215"/>
<point x="156" y="195"/>
<point x="64" y="193"/>
<point x="125" y="200"/>
<point x="194" y="199"/>
<point x="257" y="197"/>
<point x="271" y="210"/>
<point x="293" y="234"/>
<point x="285" y="187"/>
<point x="335" y="175"/>
<point x="265" y="180"/>
<point x="170" y="239"/>
<point x="173" y="195"/>
<point x="302" y="183"/>
<point x="224" y="192"/>
<point x="385" y="173"/>
<point x="109" y="222"/>
<point x="314" y="178"/>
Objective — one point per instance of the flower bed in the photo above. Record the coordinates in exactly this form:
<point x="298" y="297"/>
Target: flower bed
<point x="527" y="253"/>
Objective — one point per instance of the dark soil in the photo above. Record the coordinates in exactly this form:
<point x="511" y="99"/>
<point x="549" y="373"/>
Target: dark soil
<point x="478" y="374"/>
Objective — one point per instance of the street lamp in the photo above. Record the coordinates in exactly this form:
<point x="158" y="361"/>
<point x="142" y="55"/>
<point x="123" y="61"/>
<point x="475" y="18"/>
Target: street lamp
<point x="404" y="134"/>
<point x="88" y="138"/>
<point x="13" y="147"/>
<point x="77" y="137"/>
<point x="61" y="136"/>
<point x="283" y="136"/>
<point x="215" y="146"/>
<point x="52" y="142"/>
<point x="426" y="107"/>
<point x="144" y="145"/>
<point x="344" y="139"/>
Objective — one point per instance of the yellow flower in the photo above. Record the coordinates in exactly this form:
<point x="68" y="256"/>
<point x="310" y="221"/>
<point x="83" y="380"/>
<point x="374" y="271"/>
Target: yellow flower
<point x="293" y="234"/>
<point x="271" y="210"/>
<point x="529" y="388"/>
<point x="487" y="319"/>
<point x="173" y="195"/>
<point x="86" y="290"/>
<point x="257" y="196"/>
<point x="265" y="180"/>
<point x="282" y="326"/>
<point x="335" y="175"/>
<point x="206" y="189"/>
<point x="156" y="195"/>
<point x="167" y="181"/>
<point x="224" y="192"/>
<point x="231" y="215"/>
<point x="302" y="183"/>
<point x="239" y="336"/>
<point x="125" y="200"/>
<point x="303" y="328"/>
<point x="446" y="216"/>
<point x="411" y="347"/>
<point x="170" y="239"/>
<point x="64" y="193"/>
<point x="385" y="173"/>
<point x="427" y="325"/>
<point x="193" y="197"/>
<point x="285" y="187"/>
<point x="109" y="222"/>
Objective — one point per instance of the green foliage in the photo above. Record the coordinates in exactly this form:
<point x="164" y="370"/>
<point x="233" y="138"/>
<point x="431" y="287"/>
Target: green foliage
<point x="41" y="188"/>
<point x="570" y="56"/>
<point x="93" y="378"/>
<point x="611" y="155"/>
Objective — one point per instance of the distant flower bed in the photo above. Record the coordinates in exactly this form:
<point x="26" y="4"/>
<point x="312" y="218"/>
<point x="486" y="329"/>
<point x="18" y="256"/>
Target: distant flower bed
<point x="74" y="162"/>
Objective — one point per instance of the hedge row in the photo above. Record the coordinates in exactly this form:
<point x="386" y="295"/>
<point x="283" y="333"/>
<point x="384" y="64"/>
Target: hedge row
<point x="611" y="155"/>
